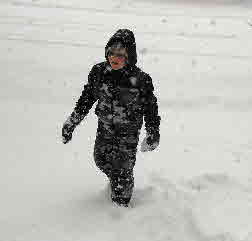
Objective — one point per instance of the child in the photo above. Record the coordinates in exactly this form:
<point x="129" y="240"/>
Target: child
<point x="125" y="97"/>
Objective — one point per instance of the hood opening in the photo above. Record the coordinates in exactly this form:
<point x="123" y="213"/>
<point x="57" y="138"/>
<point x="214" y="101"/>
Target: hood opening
<point x="127" y="39"/>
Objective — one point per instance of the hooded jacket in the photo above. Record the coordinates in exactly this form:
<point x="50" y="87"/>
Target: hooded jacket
<point x="125" y="96"/>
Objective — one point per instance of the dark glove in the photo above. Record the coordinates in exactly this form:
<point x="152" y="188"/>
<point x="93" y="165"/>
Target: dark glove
<point x="150" y="142"/>
<point x="153" y="139"/>
<point x="67" y="131"/>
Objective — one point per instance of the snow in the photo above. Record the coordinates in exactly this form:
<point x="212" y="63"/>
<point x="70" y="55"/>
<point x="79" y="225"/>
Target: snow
<point x="196" y="186"/>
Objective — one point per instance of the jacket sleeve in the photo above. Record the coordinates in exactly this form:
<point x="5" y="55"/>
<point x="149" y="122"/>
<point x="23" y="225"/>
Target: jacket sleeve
<point x="151" y="116"/>
<point x="86" y="99"/>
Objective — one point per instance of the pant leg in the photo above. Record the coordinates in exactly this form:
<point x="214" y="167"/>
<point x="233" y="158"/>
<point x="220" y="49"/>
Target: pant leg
<point x="118" y="164"/>
<point x="101" y="148"/>
<point x="115" y="155"/>
<point x="122" y="176"/>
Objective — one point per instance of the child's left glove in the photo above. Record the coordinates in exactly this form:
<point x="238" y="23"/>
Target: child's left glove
<point x="150" y="142"/>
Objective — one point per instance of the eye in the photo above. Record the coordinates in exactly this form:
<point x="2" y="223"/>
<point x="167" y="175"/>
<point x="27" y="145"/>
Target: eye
<point x="113" y="54"/>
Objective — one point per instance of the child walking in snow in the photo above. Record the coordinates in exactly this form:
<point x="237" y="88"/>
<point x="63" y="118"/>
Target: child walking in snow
<point x="125" y="97"/>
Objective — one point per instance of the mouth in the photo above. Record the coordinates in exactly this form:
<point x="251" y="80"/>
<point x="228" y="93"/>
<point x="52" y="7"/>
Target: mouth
<point x="115" y="63"/>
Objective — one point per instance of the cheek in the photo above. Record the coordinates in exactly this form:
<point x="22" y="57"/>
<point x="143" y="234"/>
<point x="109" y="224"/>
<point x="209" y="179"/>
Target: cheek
<point x="120" y="61"/>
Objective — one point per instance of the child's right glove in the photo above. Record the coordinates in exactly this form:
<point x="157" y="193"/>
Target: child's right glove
<point x="150" y="142"/>
<point x="67" y="130"/>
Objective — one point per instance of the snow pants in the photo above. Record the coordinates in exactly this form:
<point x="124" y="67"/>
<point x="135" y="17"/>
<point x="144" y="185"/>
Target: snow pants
<point x="115" y="154"/>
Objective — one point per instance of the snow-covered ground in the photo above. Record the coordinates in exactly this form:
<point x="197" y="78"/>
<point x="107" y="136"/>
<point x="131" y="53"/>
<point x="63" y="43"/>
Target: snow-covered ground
<point x="196" y="187"/>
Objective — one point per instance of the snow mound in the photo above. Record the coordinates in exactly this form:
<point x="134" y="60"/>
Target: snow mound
<point x="158" y="211"/>
<point x="211" y="207"/>
<point x="222" y="207"/>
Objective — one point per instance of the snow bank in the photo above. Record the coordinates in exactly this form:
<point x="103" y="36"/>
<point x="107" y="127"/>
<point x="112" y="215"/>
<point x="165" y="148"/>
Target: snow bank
<point x="222" y="207"/>
<point x="212" y="207"/>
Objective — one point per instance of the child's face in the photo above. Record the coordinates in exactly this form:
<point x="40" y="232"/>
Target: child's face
<point x="117" y="58"/>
